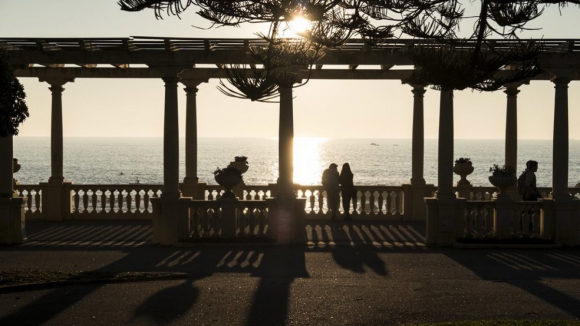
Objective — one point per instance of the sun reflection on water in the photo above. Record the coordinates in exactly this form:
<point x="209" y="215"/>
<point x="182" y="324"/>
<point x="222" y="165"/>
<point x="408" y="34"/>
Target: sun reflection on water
<point x="307" y="164"/>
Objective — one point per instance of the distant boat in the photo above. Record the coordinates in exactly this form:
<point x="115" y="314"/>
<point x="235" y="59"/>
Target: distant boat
<point x="136" y="182"/>
<point x="373" y="144"/>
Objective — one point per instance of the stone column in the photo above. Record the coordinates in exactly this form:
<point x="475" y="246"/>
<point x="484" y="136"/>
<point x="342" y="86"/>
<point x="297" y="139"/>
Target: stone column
<point x="171" y="139"/>
<point x="448" y="209"/>
<point x="191" y="186"/>
<point x="418" y="143"/>
<point x="414" y="207"/>
<point x="170" y="211"/>
<point x="560" y="141"/>
<point x="511" y="133"/>
<point x="12" y="221"/>
<point x="56" y="196"/>
<point x="511" y="127"/>
<point x="445" y="146"/>
<point x="286" y="144"/>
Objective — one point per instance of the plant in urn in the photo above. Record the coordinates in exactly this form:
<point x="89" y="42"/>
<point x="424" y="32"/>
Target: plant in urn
<point x="463" y="168"/>
<point x="503" y="178"/>
<point x="228" y="178"/>
<point x="240" y="163"/>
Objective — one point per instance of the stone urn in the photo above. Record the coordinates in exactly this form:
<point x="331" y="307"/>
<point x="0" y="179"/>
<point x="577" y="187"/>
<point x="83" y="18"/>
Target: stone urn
<point x="15" y="168"/>
<point x="240" y="163"/>
<point x="463" y="170"/>
<point x="503" y="182"/>
<point x="228" y="178"/>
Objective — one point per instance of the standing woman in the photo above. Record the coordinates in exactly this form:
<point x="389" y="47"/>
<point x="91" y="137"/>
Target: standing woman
<point x="347" y="189"/>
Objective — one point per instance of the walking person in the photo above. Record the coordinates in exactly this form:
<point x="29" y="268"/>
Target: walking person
<point x="347" y="189"/>
<point x="529" y="192"/>
<point x="331" y="185"/>
<point x="527" y="182"/>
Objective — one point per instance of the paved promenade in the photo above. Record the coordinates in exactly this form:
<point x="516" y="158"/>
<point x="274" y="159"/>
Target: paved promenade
<point x="355" y="274"/>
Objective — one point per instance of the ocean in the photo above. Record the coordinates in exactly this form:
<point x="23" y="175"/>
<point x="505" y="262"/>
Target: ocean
<point x="388" y="162"/>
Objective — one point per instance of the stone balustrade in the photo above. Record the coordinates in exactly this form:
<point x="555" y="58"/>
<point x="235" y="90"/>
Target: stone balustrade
<point x="131" y="201"/>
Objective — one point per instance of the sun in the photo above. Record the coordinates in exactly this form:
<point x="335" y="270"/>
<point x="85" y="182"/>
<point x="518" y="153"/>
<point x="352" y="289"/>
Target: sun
<point x="297" y="26"/>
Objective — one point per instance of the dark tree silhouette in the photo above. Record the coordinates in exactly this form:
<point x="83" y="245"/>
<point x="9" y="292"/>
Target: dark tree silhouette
<point x="445" y="61"/>
<point x="13" y="109"/>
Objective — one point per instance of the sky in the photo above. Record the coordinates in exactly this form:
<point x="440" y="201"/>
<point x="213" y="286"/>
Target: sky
<point x="325" y="109"/>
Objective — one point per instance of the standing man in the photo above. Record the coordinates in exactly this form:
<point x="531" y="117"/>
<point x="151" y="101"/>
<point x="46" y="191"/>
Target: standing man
<point x="331" y="185"/>
<point x="530" y="191"/>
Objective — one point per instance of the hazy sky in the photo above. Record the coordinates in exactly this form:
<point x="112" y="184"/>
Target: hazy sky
<point x="329" y="109"/>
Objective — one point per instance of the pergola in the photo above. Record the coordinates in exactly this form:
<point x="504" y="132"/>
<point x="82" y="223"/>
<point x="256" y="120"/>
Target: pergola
<point x="191" y="62"/>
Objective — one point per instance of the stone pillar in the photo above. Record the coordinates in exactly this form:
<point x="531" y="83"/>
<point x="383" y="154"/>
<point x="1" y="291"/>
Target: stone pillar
<point x="511" y="133"/>
<point x="56" y="196"/>
<point x="560" y="141"/>
<point x="170" y="211"/>
<point x="191" y="186"/>
<point x="448" y="211"/>
<point x="12" y="227"/>
<point x="445" y="146"/>
<point x="171" y="139"/>
<point x="418" y="143"/>
<point x="286" y="144"/>
<point x="416" y="192"/>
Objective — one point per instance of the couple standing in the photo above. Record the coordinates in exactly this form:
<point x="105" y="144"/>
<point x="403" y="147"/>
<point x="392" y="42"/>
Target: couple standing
<point x="334" y="183"/>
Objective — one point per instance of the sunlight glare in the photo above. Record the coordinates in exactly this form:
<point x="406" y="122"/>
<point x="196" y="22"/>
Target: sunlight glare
<point x="307" y="165"/>
<point x="296" y="26"/>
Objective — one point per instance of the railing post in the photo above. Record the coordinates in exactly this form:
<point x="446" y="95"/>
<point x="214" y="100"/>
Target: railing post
<point x="503" y="217"/>
<point x="547" y="218"/>
<point x="12" y="221"/>
<point x="229" y="218"/>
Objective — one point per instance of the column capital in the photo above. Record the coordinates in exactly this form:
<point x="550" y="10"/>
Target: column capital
<point x="56" y="83"/>
<point x="512" y="91"/>
<point x="191" y="84"/>
<point x="418" y="90"/>
<point x="561" y="81"/>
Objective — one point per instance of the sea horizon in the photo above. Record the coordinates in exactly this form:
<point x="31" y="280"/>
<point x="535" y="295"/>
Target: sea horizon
<point x="110" y="160"/>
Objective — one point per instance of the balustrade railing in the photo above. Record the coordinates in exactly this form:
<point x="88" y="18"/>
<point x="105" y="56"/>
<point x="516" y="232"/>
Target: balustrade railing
<point x="207" y="219"/>
<point x="33" y="207"/>
<point x="478" y="219"/>
<point x="113" y="201"/>
<point x="131" y="201"/>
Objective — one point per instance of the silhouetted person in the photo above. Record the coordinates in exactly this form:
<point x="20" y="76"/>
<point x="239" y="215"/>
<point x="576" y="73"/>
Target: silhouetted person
<point x="530" y="191"/>
<point x="331" y="185"/>
<point x="347" y="189"/>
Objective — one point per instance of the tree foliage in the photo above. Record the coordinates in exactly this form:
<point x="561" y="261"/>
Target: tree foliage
<point x="13" y="109"/>
<point x="444" y="62"/>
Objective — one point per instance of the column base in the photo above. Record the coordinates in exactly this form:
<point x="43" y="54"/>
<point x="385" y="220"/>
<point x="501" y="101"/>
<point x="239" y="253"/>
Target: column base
<point x="12" y="221"/>
<point x="414" y="201"/>
<point x="171" y="221"/>
<point x="503" y="217"/>
<point x="444" y="220"/>
<point x="567" y="222"/>
<point x="56" y="199"/>
<point x="287" y="220"/>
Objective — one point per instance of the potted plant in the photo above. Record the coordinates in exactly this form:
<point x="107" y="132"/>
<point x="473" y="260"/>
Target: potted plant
<point x="463" y="168"/>
<point x="502" y="177"/>
<point x="240" y="163"/>
<point x="228" y="178"/>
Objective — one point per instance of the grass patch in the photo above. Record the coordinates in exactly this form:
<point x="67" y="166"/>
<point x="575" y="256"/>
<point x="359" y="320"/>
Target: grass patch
<point x="505" y="323"/>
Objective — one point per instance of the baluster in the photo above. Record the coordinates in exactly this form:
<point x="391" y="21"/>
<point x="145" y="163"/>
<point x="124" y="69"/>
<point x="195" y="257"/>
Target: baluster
<point x="252" y="221"/>
<point x="76" y="201"/>
<point x="138" y="201"/>
<point x="321" y="201"/>
<point x="120" y="201"/>
<point x="194" y="222"/>
<point x="248" y="195"/>
<point x="85" y="201"/>
<point x="146" y="201"/>
<point x="395" y="205"/>
<point x="381" y="203"/>
<point x="205" y="220"/>
<point x="526" y="219"/>
<point x="261" y="222"/>
<point x="94" y="202"/>
<point x="310" y="201"/>
<point x="29" y="196"/>
<point x="37" y="201"/>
